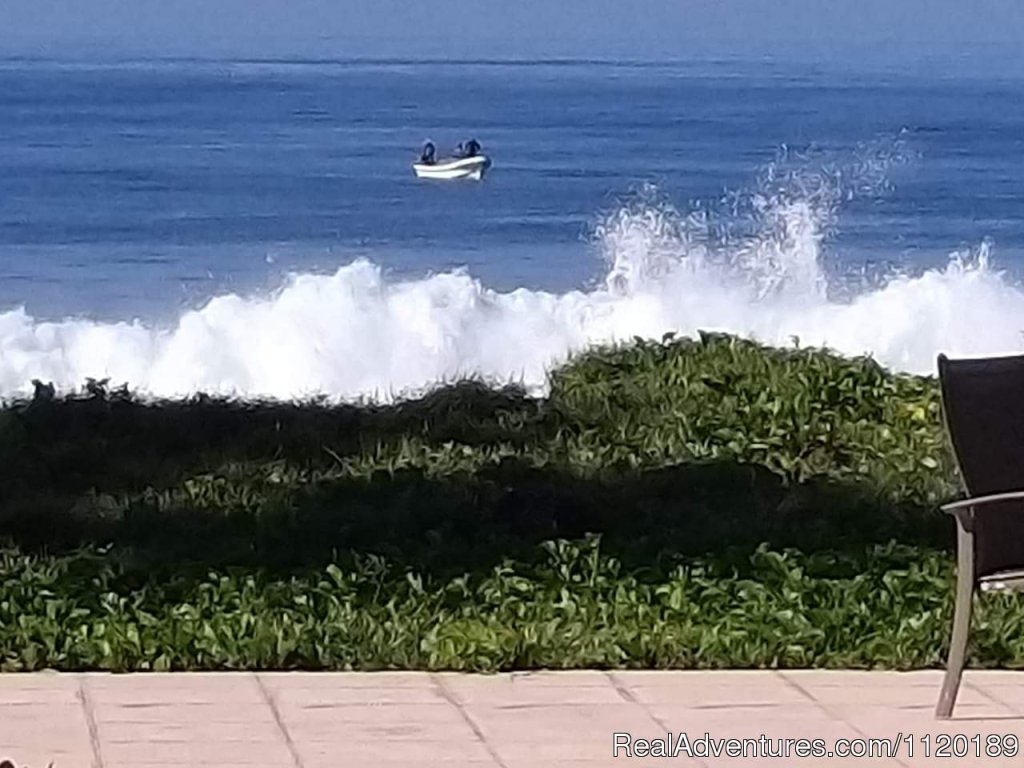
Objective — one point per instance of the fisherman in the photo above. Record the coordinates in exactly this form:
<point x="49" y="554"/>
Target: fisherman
<point x="429" y="150"/>
<point x="472" y="148"/>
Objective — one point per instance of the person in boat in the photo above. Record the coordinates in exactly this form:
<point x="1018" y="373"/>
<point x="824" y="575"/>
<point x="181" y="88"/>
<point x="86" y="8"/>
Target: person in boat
<point x="472" y="148"/>
<point x="428" y="155"/>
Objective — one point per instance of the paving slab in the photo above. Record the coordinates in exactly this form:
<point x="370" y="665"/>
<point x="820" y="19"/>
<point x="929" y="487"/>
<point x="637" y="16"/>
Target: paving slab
<point x="521" y="720"/>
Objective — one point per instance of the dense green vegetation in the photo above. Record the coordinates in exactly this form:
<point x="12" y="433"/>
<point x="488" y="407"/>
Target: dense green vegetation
<point x="705" y="502"/>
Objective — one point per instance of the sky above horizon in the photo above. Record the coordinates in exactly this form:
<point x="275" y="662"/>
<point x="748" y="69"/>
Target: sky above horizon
<point x="481" y="28"/>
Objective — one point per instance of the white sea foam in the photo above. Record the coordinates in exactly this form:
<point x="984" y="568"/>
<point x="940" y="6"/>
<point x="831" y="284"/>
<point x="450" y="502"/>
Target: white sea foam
<point x="356" y="333"/>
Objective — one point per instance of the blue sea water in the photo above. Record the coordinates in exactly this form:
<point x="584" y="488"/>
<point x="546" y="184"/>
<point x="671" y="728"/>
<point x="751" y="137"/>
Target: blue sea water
<point x="133" y="193"/>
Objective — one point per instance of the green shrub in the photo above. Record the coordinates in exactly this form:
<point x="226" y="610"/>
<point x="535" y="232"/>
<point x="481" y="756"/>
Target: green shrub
<point x="756" y="507"/>
<point x="576" y="607"/>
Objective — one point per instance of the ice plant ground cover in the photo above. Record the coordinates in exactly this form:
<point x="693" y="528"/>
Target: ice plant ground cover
<point x="695" y="503"/>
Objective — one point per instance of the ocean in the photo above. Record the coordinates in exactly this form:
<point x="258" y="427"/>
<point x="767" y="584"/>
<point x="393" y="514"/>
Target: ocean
<point x="254" y="229"/>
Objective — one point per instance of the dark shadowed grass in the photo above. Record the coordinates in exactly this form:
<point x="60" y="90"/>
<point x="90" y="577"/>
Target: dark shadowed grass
<point x="435" y="522"/>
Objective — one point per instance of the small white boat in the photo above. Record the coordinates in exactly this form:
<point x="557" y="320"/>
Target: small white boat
<point x="454" y="168"/>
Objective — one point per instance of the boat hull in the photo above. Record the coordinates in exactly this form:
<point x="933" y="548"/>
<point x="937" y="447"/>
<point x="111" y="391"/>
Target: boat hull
<point x="458" y="168"/>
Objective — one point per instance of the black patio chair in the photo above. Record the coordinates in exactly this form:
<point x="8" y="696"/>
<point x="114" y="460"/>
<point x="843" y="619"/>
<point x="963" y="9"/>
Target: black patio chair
<point x="983" y="410"/>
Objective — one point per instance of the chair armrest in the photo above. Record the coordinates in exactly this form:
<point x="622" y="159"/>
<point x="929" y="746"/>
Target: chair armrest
<point x="980" y="501"/>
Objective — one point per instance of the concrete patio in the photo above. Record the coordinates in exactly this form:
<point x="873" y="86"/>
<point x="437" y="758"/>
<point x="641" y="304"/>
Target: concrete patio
<point x="523" y="720"/>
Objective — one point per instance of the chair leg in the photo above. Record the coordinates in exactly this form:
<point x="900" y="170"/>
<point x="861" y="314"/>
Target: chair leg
<point x="961" y="622"/>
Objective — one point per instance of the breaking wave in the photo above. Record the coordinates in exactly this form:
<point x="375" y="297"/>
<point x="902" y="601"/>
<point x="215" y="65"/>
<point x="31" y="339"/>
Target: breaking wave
<point x="753" y="264"/>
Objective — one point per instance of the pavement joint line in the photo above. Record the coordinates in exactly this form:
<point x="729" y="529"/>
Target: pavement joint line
<point x="833" y="715"/>
<point x="791" y="683"/>
<point x="990" y="696"/>
<point x="268" y="698"/>
<point x="452" y="699"/>
<point x="85" y="698"/>
<point x="627" y="695"/>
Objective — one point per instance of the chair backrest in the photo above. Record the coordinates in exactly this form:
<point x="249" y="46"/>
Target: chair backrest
<point x="983" y="408"/>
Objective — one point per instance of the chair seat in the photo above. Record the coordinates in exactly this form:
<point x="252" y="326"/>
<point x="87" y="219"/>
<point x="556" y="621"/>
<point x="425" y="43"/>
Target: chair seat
<point x="1012" y="579"/>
